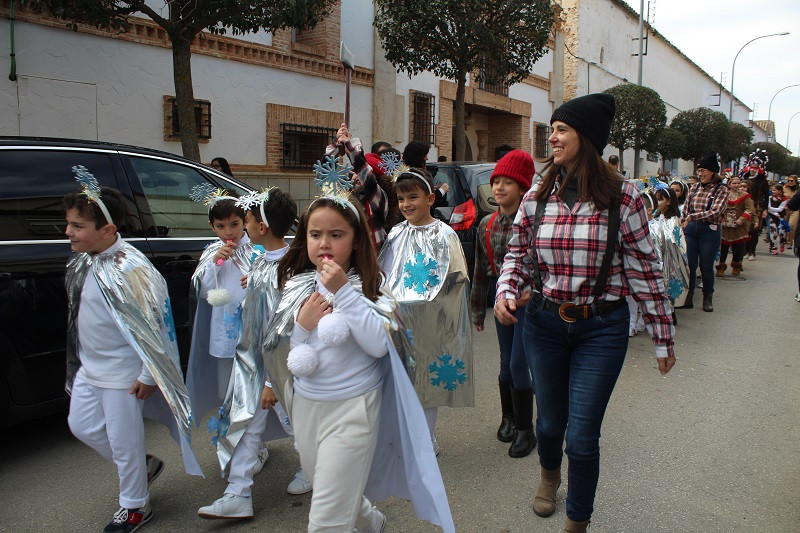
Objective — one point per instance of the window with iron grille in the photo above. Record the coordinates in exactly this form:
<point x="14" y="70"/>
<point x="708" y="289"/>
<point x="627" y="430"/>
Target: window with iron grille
<point x="202" y="118"/>
<point x="500" y="87"/>
<point x="303" y="145"/>
<point x="422" y="117"/>
<point x="542" y="134"/>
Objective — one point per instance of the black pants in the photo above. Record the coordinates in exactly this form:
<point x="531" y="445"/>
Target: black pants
<point x="737" y="248"/>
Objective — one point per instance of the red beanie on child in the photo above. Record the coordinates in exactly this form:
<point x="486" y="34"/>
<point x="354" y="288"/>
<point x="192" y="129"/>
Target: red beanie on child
<point x="516" y="165"/>
<point x="375" y="161"/>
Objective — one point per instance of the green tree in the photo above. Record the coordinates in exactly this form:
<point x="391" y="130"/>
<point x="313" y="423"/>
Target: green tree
<point x="780" y="160"/>
<point x="183" y="21"/>
<point x="453" y="38"/>
<point x="705" y="131"/>
<point x="640" y="117"/>
<point x="739" y="139"/>
<point x="669" y="144"/>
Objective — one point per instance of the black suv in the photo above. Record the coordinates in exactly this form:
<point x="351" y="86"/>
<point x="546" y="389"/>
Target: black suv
<point x="163" y="223"/>
<point x="469" y="200"/>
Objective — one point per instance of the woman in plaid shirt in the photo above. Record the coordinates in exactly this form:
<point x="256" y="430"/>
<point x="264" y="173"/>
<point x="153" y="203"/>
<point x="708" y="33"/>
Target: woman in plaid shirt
<point x="576" y="323"/>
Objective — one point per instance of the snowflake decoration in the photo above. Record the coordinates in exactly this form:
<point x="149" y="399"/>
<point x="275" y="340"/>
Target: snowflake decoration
<point x="656" y="183"/>
<point x="676" y="232"/>
<point x="640" y="185"/>
<point x="248" y="201"/>
<point x="333" y="173"/>
<point x="257" y="250"/>
<point x="410" y="337"/>
<point x="91" y="187"/>
<point x="420" y="274"/>
<point x="447" y="372"/>
<point x="203" y="193"/>
<point x="215" y="426"/>
<point x="233" y="323"/>
<point x="390" y="163"/>
<point x="674" y="288"/>
<point x="169" y="320"/>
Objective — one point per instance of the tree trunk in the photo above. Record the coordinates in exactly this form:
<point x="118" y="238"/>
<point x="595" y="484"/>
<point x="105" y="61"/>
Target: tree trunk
<point x="636" y="153"/>
<point x="459" y="140"/>
<point x="184" y="95"/>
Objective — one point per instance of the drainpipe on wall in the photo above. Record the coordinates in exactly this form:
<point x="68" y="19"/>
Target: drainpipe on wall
<point x="13" y="74"/>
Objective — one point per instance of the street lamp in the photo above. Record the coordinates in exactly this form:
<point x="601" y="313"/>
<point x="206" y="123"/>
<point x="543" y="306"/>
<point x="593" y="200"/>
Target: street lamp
<point x="769" y="113"/>
<point x="730" y="109"/>
<point x="788" y="129"/>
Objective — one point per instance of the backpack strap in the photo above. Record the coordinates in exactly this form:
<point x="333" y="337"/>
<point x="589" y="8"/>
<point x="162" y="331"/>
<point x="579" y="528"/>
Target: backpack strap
<point x="489" y="251"/>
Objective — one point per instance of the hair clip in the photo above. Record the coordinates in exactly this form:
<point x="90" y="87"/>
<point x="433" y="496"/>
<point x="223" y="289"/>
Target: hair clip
<point x="91" y="189"/>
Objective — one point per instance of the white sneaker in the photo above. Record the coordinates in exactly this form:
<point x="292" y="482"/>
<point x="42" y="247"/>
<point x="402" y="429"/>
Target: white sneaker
<point x="229" y="506"/>
<point x="640" y="325"/>
<point x="797" y="297"/>
<point x="631" y="330"/>
<point x="299" y="485"/>
<point x="263" y="455"/>
<point x="436" y="448"/>
<point x="377" y="522"/>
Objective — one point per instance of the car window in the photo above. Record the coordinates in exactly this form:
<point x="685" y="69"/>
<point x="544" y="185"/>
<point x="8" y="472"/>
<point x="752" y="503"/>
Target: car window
<point x="448" y="175"/>
<point x="167" y="186"/>
<point x="32" y="184"/>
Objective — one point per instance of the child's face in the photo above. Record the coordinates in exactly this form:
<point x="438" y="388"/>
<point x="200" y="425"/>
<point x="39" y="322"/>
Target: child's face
<point x="229" y="229"/>
<point x="255" y="229"/>
<point x="734" y="184"/>
<point x="506" y="192"/>
<point x="677" y="188"/>
<point x="84" y="237"/>
<point x="663" y="204"/>
<point x="777" y="192"/>
<point x="329" y="236"/>
<point x="416" y="206"/>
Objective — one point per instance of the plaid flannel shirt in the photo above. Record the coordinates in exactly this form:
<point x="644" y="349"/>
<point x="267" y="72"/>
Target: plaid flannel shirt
<point x="373" y="198"/>
<point x="483" y="275"/>
<point x="571" y="242"/>
<point x="696" y="206"/>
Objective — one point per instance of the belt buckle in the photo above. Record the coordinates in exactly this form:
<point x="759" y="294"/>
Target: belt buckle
<point x="562" y="308"/>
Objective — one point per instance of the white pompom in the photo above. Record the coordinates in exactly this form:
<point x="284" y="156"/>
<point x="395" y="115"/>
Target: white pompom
<point x="303" y="360"/>
<point x="218" y="297"/>
<point x="333" y="329"/>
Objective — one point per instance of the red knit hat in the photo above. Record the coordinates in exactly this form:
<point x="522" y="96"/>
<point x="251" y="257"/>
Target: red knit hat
<point x="516" y="165"/>
<point x="375" y="161"/>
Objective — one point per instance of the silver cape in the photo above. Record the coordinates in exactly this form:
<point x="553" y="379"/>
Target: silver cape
<point x="404" y="464"/>
<point x="137" y="295"/>
<point x="671" y="248"/>
<point x="427" y="272"/>
<point x="201" y="374"/>
<point x="243" y="396"/>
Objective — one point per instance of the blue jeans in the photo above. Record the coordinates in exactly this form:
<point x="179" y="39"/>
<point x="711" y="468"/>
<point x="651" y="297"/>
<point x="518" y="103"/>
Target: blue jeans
<point x="575" y="367"/>
<point x="702" y="243"/>
<point x="513" y="363"/>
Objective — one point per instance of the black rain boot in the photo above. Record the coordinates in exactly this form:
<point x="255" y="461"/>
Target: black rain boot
<point x="524" y="438"/>
<point x="708" y="304"/>
<point x="674" y="319"/>
<point x="505" y="432"/>
<point x="687" y="304"/>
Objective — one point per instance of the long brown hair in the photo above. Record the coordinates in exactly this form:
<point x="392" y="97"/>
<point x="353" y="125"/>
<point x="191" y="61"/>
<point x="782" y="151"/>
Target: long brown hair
<point x="597" y="181"/>
<point x="363" y="260"/>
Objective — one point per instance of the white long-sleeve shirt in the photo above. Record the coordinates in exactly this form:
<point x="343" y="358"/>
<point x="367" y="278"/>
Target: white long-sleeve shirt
<point x="107" y="360"/>
<point x="352" y="368"/>
<point x="226" y="320"/>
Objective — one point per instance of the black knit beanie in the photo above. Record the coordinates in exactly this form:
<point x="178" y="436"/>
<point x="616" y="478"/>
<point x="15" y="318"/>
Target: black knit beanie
<point x="591" y="115"/>
<point x="710" y="161"/>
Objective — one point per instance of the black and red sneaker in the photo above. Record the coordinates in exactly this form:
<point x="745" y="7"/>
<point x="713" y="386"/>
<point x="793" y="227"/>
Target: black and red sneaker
<point x="129" y="520"/>
<point x="154" y="468"/>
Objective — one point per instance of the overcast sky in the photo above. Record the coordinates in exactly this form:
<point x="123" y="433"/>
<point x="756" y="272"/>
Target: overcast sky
<point x="710" y="32"/>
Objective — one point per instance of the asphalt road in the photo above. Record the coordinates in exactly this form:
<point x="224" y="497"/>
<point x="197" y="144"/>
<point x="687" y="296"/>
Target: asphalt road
<point x="713" y="447"/>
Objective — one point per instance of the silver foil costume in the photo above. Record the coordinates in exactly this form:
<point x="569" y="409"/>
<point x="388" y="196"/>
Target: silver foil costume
<point x="427" y="272"/>
<point x="671" y="248"/>
<point x="137" y="295"/>
<point x="404" y="464"/>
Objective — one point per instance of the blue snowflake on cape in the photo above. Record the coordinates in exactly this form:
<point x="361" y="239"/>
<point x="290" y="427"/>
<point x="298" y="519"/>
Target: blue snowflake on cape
<point x="420" y="274"/>
<point x="674" y="288"/>
<point x="332" y="173"/>
<point x="677" y="233"/>
<point x="215" y="426"/>
<point x="169" y="320"/>
<point x="640" y="185"/>
<point x="410" y="337"/>
<point x="447" y="372"/>
<point x="257" y="250"/>
<point x="233" y="323"/>
<point x="390" y="163"/>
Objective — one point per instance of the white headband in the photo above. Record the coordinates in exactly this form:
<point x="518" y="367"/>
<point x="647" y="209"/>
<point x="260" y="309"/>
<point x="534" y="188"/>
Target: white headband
<point x="427" y="185"/>
<point x="91" y="189"/>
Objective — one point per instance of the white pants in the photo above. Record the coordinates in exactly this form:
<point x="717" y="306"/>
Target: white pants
<point x="224" y="369"/>
<point x="336" y="441"/>
<point x="245" y="456"/>
<point x="431" y="414"/>
<point x="110" y="421"/>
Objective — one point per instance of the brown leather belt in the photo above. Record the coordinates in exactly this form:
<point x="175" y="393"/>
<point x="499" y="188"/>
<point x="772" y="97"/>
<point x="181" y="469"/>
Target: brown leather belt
<point x="570" y="312"/>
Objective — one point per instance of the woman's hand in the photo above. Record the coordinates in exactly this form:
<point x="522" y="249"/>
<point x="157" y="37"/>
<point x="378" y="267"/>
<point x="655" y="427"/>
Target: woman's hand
<point x="684" y="224"/>
<point x="268" y="398"/>
<point x="665" y="364"/>
<point x="332" y="276"/>
<point x="504" y="311"/>
<point x="312" y="311"/>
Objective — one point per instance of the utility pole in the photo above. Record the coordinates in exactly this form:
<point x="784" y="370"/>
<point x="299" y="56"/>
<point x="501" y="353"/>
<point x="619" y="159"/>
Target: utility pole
<point x="641" y="59"/>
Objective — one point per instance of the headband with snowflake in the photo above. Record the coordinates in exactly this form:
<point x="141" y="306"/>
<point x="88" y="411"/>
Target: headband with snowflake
<point x="208" y="195"/>
<point x="394" y="168"/>
<point x="333" y="179"/>
<point x="248" y="201"/>
<point x="91" y="189"/>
